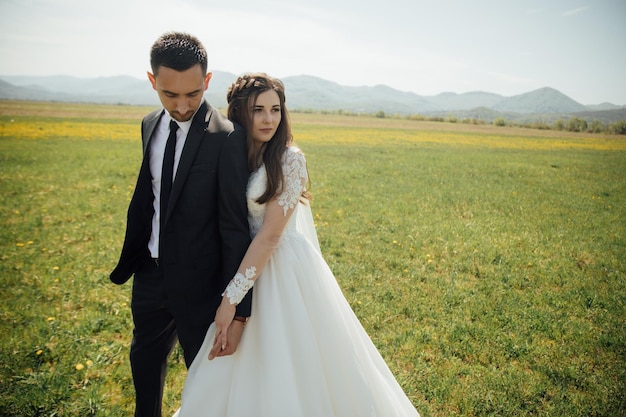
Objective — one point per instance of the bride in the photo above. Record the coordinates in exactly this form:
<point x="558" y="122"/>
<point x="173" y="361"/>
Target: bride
<point x="303" y="352"/>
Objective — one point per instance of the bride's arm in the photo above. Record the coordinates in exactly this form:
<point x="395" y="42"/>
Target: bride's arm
<point x="277" y="215"/>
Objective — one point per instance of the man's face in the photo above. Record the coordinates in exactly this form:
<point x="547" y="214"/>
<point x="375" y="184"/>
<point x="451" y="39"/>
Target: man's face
<point x="180" y="92"/>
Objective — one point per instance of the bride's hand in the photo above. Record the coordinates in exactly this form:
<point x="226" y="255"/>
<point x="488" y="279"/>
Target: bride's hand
<point x="223" y="320"/>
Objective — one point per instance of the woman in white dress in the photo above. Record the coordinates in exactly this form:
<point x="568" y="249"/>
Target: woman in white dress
<point x="303" y="352"/>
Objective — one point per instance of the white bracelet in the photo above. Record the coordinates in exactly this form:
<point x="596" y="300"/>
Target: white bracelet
<point x="239" y="286"/>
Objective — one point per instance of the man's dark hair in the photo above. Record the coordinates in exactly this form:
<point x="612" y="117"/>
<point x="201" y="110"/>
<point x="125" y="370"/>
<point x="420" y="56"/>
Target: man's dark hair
<point x="178" y="51"/>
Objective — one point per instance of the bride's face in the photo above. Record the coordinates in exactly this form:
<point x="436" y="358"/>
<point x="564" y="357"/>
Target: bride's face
<point x="266" y="116"/>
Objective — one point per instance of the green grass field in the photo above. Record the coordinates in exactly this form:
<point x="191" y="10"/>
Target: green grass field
<point x="488" y="264"/>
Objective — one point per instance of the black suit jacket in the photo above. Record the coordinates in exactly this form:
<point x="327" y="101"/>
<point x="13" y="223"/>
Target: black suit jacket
<point x="205" y="234"/>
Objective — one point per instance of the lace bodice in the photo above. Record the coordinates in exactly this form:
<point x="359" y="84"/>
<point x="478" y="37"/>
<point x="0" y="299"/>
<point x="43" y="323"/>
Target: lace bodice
<point x="276" y="218"/>
<point x="295" y="178"/>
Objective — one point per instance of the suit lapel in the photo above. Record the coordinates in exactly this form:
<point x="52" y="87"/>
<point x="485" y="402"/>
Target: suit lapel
<point x="147" y="130"/>
<point x="148" y="127"/>
<point x="192" y="143"/>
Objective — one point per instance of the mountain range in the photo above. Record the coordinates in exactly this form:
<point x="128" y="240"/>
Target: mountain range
<point x="308" y="93"/>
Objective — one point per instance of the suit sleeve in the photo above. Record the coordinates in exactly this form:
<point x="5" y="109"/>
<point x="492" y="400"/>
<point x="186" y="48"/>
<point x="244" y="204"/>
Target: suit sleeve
<point x="233" y="210"/>
<point x="139" y="214"/>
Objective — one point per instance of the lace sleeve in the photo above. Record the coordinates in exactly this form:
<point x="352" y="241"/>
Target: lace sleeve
<point x="295" y="178"/>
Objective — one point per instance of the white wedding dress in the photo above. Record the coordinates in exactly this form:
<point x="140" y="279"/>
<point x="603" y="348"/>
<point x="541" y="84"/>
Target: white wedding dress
<point x="303" y="352"/>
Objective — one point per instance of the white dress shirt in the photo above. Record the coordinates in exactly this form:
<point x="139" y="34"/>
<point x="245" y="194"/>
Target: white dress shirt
<point x="157" y="150"/>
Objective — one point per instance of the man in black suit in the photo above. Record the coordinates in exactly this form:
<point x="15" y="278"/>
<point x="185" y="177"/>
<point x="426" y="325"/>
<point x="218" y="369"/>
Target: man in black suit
<point x="187" y="227"/>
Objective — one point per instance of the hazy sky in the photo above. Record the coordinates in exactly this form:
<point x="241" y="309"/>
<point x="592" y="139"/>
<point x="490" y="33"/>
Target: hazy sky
<point x="426" y="47"/>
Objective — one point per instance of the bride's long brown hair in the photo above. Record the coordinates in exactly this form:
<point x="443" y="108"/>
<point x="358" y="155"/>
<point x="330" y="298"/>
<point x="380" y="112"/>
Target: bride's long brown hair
<point x="241" y="97"/>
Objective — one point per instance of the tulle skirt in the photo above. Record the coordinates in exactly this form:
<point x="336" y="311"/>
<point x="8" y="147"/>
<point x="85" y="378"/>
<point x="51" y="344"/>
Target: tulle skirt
<point x="303" y="352"/>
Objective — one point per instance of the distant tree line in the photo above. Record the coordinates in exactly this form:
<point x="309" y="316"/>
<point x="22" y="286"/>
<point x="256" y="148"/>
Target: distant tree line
<point x="573" y="124"/>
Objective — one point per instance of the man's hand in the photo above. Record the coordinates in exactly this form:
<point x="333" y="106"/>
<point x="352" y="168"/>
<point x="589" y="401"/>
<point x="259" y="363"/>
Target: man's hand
<point x="227" y="335"/>
<point x="233" y="333"/>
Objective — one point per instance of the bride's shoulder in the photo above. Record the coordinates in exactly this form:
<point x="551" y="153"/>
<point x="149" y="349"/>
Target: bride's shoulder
<point x="293" y="152"/>
<point x="293" y="158"/>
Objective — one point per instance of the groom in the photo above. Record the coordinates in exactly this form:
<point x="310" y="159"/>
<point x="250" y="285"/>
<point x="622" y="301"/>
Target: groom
<point x="187" y="227"/>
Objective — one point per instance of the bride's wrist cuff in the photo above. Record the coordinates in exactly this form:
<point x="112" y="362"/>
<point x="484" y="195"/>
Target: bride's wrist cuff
<point x="239" y="286"/>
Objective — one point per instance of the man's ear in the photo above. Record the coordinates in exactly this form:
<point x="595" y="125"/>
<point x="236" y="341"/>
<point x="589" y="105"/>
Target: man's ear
<point x="152" y="79"/>
<point x="207" y="78"/>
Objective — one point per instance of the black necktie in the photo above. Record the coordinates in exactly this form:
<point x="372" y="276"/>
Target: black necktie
<point x="168" y="170"/>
